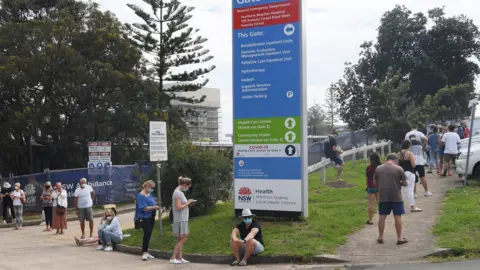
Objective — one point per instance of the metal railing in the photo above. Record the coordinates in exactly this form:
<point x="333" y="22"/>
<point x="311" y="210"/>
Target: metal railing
<point x="322" y="165"/>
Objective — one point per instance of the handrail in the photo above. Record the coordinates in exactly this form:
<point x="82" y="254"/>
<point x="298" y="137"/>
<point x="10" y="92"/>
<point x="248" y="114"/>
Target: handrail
<point x="326" y="162"/>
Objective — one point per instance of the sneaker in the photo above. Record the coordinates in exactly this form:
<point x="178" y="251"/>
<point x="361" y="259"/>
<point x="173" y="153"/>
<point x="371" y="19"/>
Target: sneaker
<point x="175" y="261"/>
<point x="184" y="261"/>
<point x="427" y="194"/>
<point x="149" y="256"/>
<point x="234" y="263"/>
<point x="100" y="248"/>
<point x="242" y="263"/>
<point x="416" y="195"/>
<point x="109" y="248"/>
<point x="144" y="257"/>
<point x="4" y="222"/>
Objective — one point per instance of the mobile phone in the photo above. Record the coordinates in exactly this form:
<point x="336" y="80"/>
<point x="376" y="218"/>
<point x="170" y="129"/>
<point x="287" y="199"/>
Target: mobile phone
<point x="194" y="201"/>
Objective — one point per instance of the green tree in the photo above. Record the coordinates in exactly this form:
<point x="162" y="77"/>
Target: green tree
<point x="67" y="76"/>
<point x="433" y="51"/>
<point x="331" y="106"/>
<point x="177" y="47"/>
<point x="316" y="120"/>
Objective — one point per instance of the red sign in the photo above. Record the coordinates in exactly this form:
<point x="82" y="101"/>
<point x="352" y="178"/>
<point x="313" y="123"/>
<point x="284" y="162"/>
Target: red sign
<point x="266" y="15"/>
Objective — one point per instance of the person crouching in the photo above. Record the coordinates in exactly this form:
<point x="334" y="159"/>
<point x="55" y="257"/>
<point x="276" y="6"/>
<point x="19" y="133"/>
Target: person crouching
<point x="250" y="242"/>
<point x="109" y="231"/>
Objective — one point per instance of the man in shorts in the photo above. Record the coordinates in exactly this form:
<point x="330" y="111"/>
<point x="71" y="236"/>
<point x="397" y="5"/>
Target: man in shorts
<point x="83" y="201"/>
<point x="389" y="179"/>
<point x="331" y="152"/>
<point x="418" y="140"/>
<point x="450" y="141"/>
<point x="250" y="242"/>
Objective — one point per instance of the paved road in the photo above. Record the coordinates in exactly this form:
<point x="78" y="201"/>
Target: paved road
<point x="465" y="265"/>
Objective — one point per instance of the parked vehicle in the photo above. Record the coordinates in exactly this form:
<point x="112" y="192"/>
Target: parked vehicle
<point x="474" y="162"/>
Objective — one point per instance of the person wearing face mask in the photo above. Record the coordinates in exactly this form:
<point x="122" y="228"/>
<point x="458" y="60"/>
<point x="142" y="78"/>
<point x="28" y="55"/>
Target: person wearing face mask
<point x="60" y="205"/>
<point x="47" y="205"/>
<point x="109" y="231"/>
<point x="18" y="197"/>
<point x="180" y="209"/>
<point x="250" y="242"/>
<point x="83" y="202"/>
<point x="7" y="202"/>
<point x="145" y="211"/>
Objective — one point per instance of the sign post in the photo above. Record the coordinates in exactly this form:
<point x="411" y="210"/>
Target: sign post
<point x="158" y="153"/>
<point x="473" y="105"/>
<point x="99" y="155"/>
<point x="269" y="107"/>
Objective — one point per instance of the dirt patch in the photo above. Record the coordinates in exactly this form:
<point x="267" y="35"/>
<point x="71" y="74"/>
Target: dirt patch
<point x="339" y="184"/>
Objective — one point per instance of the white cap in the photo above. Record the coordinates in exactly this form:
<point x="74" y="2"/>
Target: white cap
<point x="7" y="185"/>
<point x="247" y="213"/>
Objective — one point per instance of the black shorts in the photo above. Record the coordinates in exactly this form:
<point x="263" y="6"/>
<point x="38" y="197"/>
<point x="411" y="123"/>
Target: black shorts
<point x="420" y="169"/>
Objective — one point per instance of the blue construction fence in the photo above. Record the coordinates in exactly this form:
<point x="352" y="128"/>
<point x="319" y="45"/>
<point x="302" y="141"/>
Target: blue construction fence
<point x="115" y="184"/>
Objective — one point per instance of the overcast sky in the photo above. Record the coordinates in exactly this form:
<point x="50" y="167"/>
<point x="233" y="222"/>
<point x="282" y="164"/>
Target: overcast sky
<point x="335" y="29"/>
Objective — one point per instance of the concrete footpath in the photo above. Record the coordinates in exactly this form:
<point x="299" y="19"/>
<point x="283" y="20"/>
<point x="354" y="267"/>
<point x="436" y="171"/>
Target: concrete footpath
<point x="363" y="248"/>
<point x="34" y="249"/>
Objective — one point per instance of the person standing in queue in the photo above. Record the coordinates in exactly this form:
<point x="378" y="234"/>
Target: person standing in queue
<point x="145" y="215"/>
<point x="180" y="209"/>
<point x="7" y="203"/>
<point x="60" y="204"/>
<point x="390" y="178"/>
<point x="47" y="205"/>
<point x="83" y="202"/>
<point x="372" y="189"/>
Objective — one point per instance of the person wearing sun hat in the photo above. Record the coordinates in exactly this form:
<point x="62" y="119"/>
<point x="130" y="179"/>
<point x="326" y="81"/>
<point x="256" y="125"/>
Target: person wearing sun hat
<point x="7" y="202"/>
<point x="250" y="242"/>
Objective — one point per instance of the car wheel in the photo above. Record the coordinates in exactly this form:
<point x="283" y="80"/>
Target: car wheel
<point x="476" y="171"/>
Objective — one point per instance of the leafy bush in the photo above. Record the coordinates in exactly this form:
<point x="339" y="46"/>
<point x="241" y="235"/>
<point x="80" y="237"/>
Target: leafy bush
<point x="210" y="171"/>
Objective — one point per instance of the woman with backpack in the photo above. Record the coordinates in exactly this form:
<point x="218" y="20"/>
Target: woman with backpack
<point x="18" y="197"/>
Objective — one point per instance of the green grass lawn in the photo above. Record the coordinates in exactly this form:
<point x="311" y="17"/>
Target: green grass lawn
<point x="334" y="214"/>
<point x="459" y="225"/>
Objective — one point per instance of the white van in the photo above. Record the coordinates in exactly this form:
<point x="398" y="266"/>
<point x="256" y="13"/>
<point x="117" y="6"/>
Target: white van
<point x="473" y="164"/>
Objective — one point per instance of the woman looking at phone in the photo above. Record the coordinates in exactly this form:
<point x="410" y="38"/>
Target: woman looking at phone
<point x="145" y="211"/>
<point x="181" y="213"/>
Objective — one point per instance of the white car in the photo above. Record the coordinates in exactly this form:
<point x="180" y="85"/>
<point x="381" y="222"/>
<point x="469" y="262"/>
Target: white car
<point x="473" y="164"/>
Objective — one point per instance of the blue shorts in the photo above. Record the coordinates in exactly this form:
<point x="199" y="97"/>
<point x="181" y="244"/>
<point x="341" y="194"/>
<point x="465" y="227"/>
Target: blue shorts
<point x="337" y="160"/>
<point x="385" y="208"/>
<point x="258" y="249"/>
<point x="372" y="190"/>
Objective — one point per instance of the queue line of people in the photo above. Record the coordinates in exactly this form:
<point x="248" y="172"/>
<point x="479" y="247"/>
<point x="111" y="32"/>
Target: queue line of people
<point x="401" y="171"/>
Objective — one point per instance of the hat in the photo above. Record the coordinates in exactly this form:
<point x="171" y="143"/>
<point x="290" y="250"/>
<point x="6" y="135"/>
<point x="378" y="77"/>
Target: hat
<point x="48" y="183"/>
<point x="247" y="213"/>
<point x="7" y="185"/>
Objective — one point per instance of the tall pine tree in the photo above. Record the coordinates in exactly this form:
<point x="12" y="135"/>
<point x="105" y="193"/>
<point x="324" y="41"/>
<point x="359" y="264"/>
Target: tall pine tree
<point x="177" y="49"/>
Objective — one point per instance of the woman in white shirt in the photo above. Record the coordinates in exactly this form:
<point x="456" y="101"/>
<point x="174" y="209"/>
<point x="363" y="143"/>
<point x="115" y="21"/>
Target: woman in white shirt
<point x="18" y="197"/>
<point x="60" y="205"/>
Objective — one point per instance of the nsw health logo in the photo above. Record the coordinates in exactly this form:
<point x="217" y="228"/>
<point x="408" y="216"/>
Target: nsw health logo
<point x="244" y="195"/>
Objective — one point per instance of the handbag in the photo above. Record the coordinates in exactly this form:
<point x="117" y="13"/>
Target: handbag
<point x="60" y="210"/>
<point x="138" y="224"/>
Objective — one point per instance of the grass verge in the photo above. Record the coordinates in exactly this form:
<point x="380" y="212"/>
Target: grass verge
<point x="334" y="214"/>
<point x="459" y="225"/>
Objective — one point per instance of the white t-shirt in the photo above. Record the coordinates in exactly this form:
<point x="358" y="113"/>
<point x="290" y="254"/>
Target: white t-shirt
<point x="417" y="138"/>
<point x="84" y="196"/>
<point x="451" y="140"/>
<point x="16" y="197"/>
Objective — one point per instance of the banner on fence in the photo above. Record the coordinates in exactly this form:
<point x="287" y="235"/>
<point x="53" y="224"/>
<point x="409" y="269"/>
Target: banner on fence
<point x="115" y="184"/>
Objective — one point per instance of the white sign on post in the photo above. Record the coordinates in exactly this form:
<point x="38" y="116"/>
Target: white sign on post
<point x="158" y="141"/>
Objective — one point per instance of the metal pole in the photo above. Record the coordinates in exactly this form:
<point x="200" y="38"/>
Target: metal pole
<point x="354" y="156"/>
<point x="159" y="191"/>
<point x="469" y="144"/>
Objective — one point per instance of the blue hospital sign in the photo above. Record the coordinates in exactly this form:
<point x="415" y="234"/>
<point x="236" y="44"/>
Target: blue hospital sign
<point x="269" y="104"/>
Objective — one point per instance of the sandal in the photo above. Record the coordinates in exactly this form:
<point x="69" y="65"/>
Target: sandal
<point x="369" y="222"/>
<point x="403" y="241"/>
<point x="380" y="241"/>
<point x="416" y="210"/>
